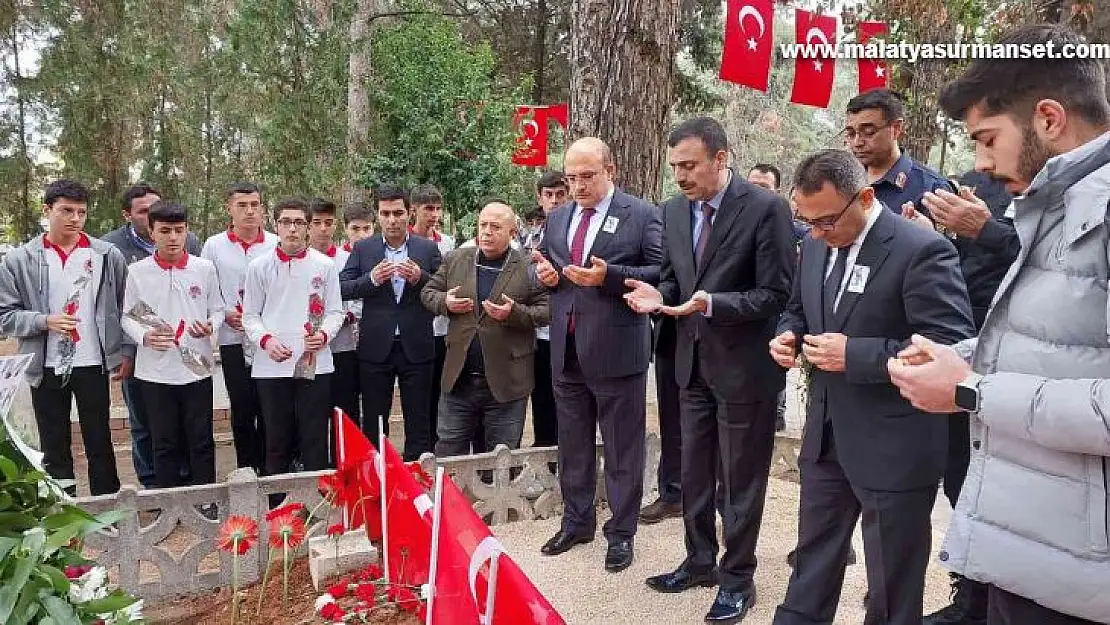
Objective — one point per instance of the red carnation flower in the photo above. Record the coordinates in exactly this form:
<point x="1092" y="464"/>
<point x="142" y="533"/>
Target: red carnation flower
<point x="332" y="612"/>
<point x="315" y="306"/>
<point x="372" y="573"/>
<point x="366" y="593"/>
<point x="238" y="533"/>
<point x="75" y="572"/>
<point x="339" y="590"/>
<point x="335" y="530"/>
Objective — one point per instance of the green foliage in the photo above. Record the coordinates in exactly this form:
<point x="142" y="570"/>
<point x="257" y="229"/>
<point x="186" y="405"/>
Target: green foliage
<point x="443" y="117"/>
<point x="40" y="536"/>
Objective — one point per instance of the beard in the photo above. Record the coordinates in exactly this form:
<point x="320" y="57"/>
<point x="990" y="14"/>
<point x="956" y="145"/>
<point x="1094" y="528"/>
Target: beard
<point x="1034" y="154"/>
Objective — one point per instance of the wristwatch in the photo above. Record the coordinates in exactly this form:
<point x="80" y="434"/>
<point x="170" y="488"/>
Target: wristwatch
<point x="967" y="393"/>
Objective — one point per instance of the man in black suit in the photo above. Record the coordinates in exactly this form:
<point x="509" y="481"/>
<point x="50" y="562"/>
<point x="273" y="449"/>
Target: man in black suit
<point x="599" y="348"/>
<point x="726" y="276"/>
<point x="867" y="281"/>
<point x="387" y="272"/>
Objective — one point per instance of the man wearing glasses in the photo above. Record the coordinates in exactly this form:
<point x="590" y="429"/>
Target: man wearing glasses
<point x="866" y="282"/>
<point x="874" y="124"/>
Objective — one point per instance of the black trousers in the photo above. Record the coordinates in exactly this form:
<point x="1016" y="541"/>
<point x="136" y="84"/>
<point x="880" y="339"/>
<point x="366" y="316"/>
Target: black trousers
<point x="470" y="410"/>
<point x="545" y="423"/>
<point x="346" y="384"/>
<point x="415" y="380"/>
<point x="437" y="377"/>
<point x="181" y="428"/>
<point x="618" y="406"/>
<point x="297" y="415"/>
<point x="670" y="428"/>
<point x="247" y="425"/>
<point x="897" y="535"/>
<point x="726" y="460"/>
<point x="1007" y="608"/>
<point x="52" y="403"/>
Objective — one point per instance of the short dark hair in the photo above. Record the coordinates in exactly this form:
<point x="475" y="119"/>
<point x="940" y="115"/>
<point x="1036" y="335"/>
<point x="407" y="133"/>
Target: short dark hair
<point x="1013" y="86"/>
<point x="837" y="167"/>
<point x="292" y="204"/>
<point x="709" y="130"/>
<point x="768" y="169"/>
<point x="424" y="194"/>
<point x="322" y="206"/>
<point x="536" y="213"/>
<point x="136" y="191"/>
<point x="168" y="212"/>
<point x="885" y="100"/>
<point x="357" y="211"/>
<point x="390" y="192"/>
<point x="552" y="179"/>
<point x="65" y="188"/>
<point x="241" y="187"/>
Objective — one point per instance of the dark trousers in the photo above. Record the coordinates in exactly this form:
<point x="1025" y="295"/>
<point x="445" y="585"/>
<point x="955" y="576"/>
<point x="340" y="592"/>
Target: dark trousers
<point x="469" y="410"/>
<point x="346" y="384"/>
<point x="897" y="535"/>
<point x="670" y="429"/>
<point x="1007" y="608"/>
<point x="437" y="376"/>
<point x="726" y="459"/>
<point x="52" y="403"/>
<point x="247" y="425"/>
<point x="619" y="407"/>
<point x="181" y="428"/>
<point x="415" y="380"/>
<point x="142" y="450"/>
<point x="296" y="414"/>
<point x="545" y="423"/>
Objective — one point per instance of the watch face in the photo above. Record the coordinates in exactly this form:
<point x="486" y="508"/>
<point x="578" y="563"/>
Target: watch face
<point x="967" y="398"/>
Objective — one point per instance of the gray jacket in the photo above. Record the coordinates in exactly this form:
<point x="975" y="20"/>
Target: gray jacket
<point x="1033" y="513"/>
<point x="25" y="303"/>
<point x="132" y="253"/>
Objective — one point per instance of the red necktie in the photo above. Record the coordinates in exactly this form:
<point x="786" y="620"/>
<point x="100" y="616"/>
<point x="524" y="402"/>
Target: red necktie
<point x="578" y="249"/>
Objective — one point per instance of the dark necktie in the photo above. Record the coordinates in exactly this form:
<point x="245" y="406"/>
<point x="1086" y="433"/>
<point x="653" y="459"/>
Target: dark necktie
<point x="703" y="236"/>
<point x="832" y="283"/>
<point x="578" y="249"/>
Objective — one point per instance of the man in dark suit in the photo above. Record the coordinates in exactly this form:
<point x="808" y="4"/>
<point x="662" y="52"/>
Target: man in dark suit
<point x="494" y="307"/>
<point x="387" y="272"/>
<point x="599" y="348"/>
<point x="867" y="281"/>
<point x="726" y="277"/>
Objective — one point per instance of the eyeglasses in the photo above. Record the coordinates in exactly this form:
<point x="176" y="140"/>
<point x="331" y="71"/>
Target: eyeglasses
<point x="866" y="131"/>
<point x="290" y="223"/>
<point x="826" y="224"/>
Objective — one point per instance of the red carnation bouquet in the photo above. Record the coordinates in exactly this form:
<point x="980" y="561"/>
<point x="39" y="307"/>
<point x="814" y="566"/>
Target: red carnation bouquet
<point x="306" y="365"/>
<point x="68" y="346"/>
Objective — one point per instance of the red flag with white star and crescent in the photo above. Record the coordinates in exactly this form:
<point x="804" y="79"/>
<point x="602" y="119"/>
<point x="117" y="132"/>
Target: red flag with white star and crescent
<point x="531" y="140"/>
<point x="749" y="41"/>
<point x="814" y="67"/>
<point x="873" y="73"/>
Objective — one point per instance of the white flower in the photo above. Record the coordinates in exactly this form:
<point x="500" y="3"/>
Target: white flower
<point x="92" y="585"/>
<point x="133" y="613"/>
<point x="324" y="600"/>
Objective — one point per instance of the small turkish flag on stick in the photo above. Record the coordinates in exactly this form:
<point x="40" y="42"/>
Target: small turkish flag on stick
<point x="749" y="41"/>
<point x="531" y="141"/>
<point x="814" y="68"/>
<point x="873" y="73"/>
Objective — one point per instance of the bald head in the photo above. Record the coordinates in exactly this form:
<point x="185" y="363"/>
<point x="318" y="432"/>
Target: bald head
<point x="496" y="229"/>
<point x="589" y="170"/>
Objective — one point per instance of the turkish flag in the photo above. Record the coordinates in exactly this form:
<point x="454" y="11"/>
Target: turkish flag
<point x="560" y="113"/>
<point x="408" y="522"/>
<point x="872" y="72"/>
<point x="466" y="551"/>
<point x="530" y="123"/>
<point x="749" y="41"/>
<point x="813" y="76"/>
<point x="357" y="486"/>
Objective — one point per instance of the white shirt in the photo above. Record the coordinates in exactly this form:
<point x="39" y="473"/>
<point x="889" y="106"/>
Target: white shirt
<point x="275" y="305"/>
<point x="231" y="259"/>
<point x="346" y="340"/>
<point x="179" y="295"/>
<point x="600" y="211"/>
<point x="446" y="243"/>
<point x="82" y="261"/>
<point x="853" y="250"/>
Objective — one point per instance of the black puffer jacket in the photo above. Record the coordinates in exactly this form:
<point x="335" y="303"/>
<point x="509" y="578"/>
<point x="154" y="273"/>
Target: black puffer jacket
<point x="986" y="259"/>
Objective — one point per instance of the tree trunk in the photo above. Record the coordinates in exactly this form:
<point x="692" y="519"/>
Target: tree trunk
<point x="622" y="83"/>
<point x="360" y="71"/>
<point x="539" y="51"/>
<point x="24" y="221"/>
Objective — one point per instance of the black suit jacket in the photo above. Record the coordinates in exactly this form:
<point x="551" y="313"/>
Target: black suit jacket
<point x="381" y="313"/>
<point x="749" y="262"/>
<point x="914" y="286"/>
<point x="611" y="340"/>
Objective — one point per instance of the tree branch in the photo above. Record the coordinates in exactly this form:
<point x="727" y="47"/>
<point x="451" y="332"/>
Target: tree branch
<point x="408" y="13"/>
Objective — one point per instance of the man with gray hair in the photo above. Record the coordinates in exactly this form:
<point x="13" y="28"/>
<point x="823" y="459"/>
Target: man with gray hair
<point x="867" y="281"/>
